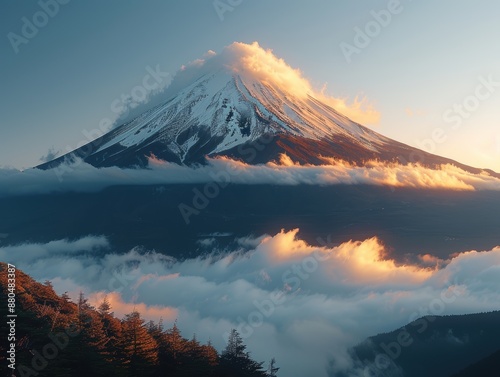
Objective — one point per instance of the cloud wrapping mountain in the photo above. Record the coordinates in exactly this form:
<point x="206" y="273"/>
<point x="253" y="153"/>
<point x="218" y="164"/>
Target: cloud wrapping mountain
<point x="82" y="177"/>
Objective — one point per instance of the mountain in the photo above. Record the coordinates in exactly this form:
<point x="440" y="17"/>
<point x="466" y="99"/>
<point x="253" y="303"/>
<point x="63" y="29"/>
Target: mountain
<point x="487" y="367"/>
<point x="436" y="346"/>
<point x="248" y="105"/>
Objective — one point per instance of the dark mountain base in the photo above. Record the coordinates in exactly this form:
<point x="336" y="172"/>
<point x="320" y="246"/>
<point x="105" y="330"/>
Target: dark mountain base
<point x="436" y="347"/>
<point x="487" y="367"/>
<point x="409" y="221"/>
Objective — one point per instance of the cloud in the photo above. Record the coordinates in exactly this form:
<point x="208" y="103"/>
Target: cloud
<point x="52" y="154"/>
<point x="305" y="305"/>
<point x="415" y="112"/>
<point x="120" y="308"/>
<point x="82" y="177"/>
<point x="267" y="67"/>
<point x="34" y="251"/>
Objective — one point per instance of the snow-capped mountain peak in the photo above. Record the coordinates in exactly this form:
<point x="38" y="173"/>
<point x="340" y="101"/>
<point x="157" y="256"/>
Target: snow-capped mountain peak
<point x="221" y="103"/>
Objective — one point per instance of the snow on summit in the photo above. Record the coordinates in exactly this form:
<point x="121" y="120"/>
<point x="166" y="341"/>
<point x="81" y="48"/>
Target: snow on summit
<point x="254" y="63"/>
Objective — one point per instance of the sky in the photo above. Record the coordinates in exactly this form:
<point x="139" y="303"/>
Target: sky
<point x="429" y="69"/>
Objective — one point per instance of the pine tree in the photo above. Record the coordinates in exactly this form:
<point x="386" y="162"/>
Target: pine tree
<point x="192" y="361"/>
<point x="140" y="348"/>
<point x="90" y="325"/>
<point x="194" y="347"/>
<point x="86" y="350"/>
<point x="235" y="347"/>
<point x="104" y="307"/>
<point x="164" y="359"/>
<point x="177" y="345"/>
<point x="113" y="351"/>
<point x="210" y="353"/>
<point x="236" y="361"/>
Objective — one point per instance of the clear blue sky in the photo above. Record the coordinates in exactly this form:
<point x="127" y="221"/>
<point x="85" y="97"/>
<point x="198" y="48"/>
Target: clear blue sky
<point x="428" y="57"/>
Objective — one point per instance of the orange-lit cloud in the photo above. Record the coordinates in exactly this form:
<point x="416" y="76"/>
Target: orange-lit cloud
<point x="353" y="262"/>
<point x="120" y="308"/>
<point x="270" y="69"/>
<point x="411" y="175"/>
<point x="433" y="261"/>
<point x="82" y="177"/>
<point x="373" y="172"/>
<point x="414" y="112"/>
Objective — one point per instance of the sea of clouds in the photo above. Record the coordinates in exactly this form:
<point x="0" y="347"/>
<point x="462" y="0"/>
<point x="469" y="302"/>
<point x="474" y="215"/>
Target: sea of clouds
<point x="304" y="305"/>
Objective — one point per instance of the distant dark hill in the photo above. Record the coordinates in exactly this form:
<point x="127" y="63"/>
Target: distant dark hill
<point x="436" y="347"/>
<point x="487" y="367"/>
<point x="409" y="221"/>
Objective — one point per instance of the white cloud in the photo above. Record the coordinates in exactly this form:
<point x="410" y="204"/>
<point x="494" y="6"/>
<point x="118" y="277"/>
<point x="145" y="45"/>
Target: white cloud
<point x="31" y="252"/>
<point x="83" y="177"/>
<point x="51" y="154"/>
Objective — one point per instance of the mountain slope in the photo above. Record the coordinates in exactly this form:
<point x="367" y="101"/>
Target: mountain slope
<point x="221" y="111"/>
<point x="487" y="367"/>
<point x="434" y="346"/>
<point x="89" y="341"/>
